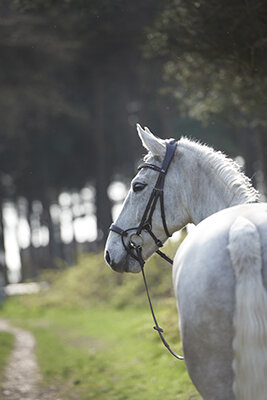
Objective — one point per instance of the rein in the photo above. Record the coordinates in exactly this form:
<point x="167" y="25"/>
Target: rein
<point x="135" y="242"/>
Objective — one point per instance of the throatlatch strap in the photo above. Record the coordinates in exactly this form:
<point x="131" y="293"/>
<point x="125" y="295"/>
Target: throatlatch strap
<point x="166" y="258"/>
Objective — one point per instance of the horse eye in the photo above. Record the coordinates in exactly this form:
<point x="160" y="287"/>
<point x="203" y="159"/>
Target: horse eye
<point x="138" y="186"/>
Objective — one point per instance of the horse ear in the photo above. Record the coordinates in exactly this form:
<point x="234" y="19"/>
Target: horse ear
<point x="150" y="142"/>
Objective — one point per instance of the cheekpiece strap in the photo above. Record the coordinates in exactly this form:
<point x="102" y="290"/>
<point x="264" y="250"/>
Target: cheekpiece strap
<point x="170" y="150"/>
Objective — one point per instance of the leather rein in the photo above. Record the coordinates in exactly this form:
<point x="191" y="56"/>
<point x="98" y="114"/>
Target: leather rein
<point x="135" y="240"/>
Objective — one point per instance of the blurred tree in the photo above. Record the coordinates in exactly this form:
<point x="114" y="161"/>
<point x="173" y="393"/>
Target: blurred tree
<point x="74" y="83"/>
<point x="216" y="64"/>
<point x="3" y="268"/>
<point x="96" y="48"/>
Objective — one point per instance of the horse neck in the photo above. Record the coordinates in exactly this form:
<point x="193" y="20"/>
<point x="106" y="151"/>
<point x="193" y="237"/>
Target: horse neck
<point x="213" y="181"/>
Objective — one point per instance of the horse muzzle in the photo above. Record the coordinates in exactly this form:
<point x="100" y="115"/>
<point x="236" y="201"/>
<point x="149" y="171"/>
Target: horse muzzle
<point x="115" y="265"/>
<point x="125" y="264"/>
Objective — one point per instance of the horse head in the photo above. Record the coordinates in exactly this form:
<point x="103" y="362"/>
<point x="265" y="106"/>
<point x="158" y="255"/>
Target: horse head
<point x="153" y="208"/>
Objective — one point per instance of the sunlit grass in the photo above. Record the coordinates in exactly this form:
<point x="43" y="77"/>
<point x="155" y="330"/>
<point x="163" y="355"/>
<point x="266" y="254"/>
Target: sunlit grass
<point x="6" y="346"/>
<point x="105" y="353"/>
<point x="94" y="334"/>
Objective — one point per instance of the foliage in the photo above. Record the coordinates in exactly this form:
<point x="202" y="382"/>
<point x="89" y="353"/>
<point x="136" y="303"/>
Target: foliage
<point x="216" y="57"/>
<point x="215" y="63"/>
<point x="223" y="32"/>
<point x="216" y="54"/>
<point x="92" y="283"/>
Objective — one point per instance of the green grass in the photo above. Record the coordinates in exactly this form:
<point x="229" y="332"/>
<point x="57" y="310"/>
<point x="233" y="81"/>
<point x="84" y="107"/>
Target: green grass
<point x="94" y="334"/>
<point x="6" y="346"/>
<point x="104" y="353"/>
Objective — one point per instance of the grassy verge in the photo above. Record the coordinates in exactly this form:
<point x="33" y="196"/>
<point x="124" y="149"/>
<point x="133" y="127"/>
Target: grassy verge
<point x="6" y="346"/>
<point x="104" y="353"/>
<point x="94" y="334"/>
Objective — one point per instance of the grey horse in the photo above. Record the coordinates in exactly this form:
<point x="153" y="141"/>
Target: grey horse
<point x="219" y="271"/>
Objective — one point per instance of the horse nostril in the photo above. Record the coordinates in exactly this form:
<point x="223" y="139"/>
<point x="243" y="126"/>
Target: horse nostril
<point x="107" y="258"/>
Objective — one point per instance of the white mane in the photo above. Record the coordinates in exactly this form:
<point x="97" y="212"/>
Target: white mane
<point x="225" y="169"/>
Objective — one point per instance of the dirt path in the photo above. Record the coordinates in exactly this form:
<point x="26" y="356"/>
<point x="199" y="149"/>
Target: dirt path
<point x="22" y="375"/>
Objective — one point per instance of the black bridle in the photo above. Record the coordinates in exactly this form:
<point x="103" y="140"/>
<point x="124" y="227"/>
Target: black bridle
<point x="135" y="242"/>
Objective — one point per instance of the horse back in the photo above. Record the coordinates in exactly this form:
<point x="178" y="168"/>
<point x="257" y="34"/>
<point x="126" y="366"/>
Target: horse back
<point x="204" y="283"/>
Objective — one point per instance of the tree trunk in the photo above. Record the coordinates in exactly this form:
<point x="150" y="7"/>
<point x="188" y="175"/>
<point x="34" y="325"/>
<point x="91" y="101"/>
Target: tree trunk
<point x="3" y="267"/>
<point x="25" y="253"/>
<point x="103" y="204"/>
<point x="34" y="265"/>
<point x="49" y="224"/>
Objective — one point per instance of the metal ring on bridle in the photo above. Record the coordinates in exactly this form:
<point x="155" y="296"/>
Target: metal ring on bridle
<point x="136" y="240"/>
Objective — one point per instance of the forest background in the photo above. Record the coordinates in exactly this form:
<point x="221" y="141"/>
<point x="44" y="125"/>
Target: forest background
<point x="76" y="76"/>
